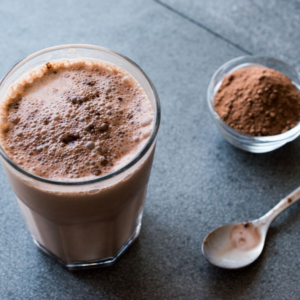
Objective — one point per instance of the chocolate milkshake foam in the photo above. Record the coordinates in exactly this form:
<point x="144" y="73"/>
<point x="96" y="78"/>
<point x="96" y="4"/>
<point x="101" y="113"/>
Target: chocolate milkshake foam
<point x="74" y="121"/>
<point x="66" y="121"/>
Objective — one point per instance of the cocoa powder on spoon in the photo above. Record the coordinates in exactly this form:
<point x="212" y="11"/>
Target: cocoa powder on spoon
<point x="258" y="101"/>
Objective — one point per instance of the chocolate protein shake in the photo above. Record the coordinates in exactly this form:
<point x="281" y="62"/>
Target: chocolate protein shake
<point x="78" y="122"/>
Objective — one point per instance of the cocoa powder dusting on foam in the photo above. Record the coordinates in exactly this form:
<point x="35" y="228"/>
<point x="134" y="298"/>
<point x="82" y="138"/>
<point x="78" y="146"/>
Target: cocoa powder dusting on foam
<point x="258" y="101"/>
<point x="68" y="122"/>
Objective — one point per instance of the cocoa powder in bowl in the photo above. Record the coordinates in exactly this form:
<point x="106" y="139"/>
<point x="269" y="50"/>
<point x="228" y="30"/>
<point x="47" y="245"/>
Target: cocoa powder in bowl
<point x="258" y="101"/>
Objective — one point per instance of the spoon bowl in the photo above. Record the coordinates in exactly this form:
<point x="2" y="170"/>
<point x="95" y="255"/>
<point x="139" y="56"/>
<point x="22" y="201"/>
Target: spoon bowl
<point x="228" y="247"/>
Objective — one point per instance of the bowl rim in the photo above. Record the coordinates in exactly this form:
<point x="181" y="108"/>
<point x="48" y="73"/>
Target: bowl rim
<point x="212" y="88"/>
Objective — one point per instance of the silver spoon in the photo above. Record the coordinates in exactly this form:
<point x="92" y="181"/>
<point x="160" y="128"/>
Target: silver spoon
<point x="237" y="245"/>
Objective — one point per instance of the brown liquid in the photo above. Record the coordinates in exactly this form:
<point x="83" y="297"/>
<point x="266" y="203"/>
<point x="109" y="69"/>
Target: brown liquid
<point x="76" y="122"/>
<point x="47" y="131"/>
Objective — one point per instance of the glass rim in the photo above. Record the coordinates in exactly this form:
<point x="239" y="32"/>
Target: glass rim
<point x="127" y="166"/>
<point x="291" y="133"/>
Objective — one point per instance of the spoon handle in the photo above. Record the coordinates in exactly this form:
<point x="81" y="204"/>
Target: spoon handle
<point x="286" y="202"/>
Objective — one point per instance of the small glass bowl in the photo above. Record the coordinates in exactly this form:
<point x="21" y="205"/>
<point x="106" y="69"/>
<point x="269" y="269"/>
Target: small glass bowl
<point x="254" y="144"/>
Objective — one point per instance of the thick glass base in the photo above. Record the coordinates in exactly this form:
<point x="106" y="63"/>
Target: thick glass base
<point x="82" y="265"/>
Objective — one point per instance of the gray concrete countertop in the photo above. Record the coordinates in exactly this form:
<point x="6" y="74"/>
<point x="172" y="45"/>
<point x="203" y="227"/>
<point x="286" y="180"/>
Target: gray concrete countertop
<point x="198" y="180"/>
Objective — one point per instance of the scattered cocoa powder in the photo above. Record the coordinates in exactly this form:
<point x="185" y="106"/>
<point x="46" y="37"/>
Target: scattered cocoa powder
<point x="258" y="101"/>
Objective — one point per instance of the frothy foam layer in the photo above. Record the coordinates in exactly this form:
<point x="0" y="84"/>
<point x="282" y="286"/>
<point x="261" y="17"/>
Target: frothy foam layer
<point x="70" y="120"/>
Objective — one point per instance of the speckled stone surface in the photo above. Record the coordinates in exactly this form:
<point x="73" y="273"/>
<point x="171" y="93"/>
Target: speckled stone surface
<point x="269" y="28"/>
<point x="198" y="180"/>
